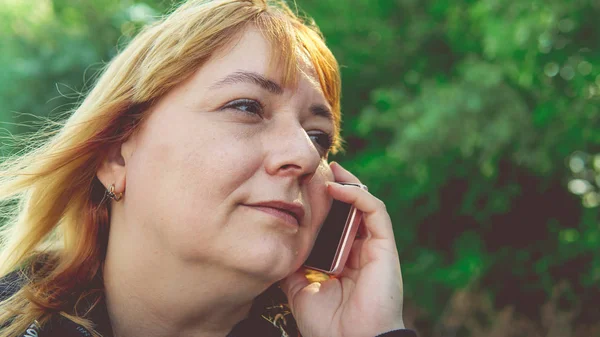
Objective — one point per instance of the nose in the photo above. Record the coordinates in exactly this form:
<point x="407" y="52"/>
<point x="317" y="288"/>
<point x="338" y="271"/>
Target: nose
<point x="289" y="151"/>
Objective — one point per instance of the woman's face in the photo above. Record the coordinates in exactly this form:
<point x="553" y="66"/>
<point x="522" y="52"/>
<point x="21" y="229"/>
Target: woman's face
<point x="229" y="162"/>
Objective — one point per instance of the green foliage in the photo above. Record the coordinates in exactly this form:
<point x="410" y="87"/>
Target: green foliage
<point x="461" y="116"/>
<point x="53" y="49"/>
<point x="473" y="120"/>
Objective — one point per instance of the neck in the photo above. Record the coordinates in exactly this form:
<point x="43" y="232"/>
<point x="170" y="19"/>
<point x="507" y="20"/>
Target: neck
<point x="206" y="301"/>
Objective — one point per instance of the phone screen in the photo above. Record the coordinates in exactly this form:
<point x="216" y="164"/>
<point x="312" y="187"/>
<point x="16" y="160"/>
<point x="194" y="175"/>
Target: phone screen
<point x="326" y="245"/>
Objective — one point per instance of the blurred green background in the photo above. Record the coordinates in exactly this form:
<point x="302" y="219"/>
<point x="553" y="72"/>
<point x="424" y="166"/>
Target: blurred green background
<point x="475" y="121"/>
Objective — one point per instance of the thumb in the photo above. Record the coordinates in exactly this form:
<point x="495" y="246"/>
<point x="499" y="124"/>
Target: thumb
<point x="293" y="284"/>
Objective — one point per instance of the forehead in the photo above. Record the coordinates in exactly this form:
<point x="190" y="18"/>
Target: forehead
<point x="251" y="51"/>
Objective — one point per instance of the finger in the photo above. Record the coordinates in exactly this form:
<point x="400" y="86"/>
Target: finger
<point x="362" y="233"/>
<point x="354" y="261"/>
<point x="375" y="216"/>
<point x="343" y="175"/>
<point x="350" y="273"/>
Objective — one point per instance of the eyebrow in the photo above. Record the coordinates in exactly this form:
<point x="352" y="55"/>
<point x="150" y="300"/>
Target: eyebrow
<point x="249" y="77"/>
<point x="321" y="110"/>
<point x="270" y="86"/>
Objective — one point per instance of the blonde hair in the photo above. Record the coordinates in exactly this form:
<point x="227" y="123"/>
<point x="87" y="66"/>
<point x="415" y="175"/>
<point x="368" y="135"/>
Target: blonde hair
<point x="57" y="224"/>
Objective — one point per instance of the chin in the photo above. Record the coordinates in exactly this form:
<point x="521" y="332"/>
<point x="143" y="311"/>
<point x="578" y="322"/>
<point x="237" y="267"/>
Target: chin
<point x="274" y="267"/>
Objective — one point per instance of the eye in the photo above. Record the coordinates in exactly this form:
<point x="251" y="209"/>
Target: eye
<point x="322" y="139"/>
<point x="246" y="105"/>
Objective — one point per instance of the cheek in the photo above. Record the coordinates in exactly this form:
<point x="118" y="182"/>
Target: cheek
<point x="215" y="167"/>
<point x="208" y="174"/>
<point x="182" y="181"/>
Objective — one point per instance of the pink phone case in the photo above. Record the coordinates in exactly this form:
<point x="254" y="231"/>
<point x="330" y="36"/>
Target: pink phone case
<point x="347" y="239"/>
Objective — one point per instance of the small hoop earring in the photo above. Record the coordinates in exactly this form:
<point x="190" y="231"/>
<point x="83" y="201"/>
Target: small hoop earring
<point x="111" y="193"/>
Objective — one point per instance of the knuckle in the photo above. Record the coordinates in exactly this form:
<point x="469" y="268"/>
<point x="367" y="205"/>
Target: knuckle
<point x="381" y="204"/>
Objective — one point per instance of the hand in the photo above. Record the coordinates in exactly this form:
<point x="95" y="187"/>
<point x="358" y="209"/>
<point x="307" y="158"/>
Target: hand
<point x="366" y="299"/>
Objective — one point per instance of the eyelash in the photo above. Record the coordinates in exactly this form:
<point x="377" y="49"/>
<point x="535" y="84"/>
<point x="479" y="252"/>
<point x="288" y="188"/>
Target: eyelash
<point x="245" y="102"/>
<point x="328" y="141"/>
<point x="236" y="104"/>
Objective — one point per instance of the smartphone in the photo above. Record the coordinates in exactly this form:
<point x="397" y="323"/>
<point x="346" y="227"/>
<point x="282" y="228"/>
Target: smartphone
<point x="335" y="238"/>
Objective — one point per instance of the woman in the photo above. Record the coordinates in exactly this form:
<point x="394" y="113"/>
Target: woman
<point x="188" y="184"/>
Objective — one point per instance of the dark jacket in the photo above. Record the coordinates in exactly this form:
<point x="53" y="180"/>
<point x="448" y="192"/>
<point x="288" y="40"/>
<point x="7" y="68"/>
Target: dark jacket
<point x="258" y="323"/>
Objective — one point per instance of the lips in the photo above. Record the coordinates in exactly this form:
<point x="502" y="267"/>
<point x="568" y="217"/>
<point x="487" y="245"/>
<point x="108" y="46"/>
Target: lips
<point x="290" y="212"/>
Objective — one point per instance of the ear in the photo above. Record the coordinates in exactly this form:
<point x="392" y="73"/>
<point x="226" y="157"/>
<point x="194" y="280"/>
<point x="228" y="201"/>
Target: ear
<point x="113" y="169"/>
